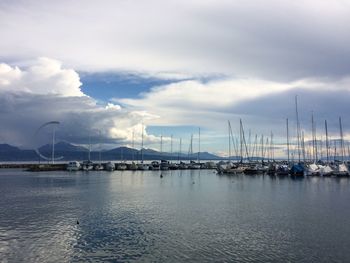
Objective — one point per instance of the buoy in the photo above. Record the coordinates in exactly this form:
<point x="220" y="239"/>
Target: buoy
<point x="161" y="176"/>
<point x="77" y="222"/>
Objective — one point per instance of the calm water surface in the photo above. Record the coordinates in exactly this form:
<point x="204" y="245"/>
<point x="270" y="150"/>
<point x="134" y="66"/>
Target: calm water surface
<point x="185" y="216"/>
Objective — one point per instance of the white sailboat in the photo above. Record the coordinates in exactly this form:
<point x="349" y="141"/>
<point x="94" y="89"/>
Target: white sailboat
<point x="341" y="169"/>
<point x="88" y="165"/>
<point x="73" y="166"/>
<point x="142" y="166"/>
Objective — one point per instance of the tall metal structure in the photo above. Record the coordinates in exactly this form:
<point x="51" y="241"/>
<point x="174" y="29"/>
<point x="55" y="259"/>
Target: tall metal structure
<point x="54" y="125"/>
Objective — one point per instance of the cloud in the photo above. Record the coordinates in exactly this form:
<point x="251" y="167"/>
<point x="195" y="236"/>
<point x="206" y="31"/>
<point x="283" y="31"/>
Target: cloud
<point x="45" y="91"/>
<point x="263" y="105"/>
<point x="272" y="39"/>
<point x="46" y="76"/>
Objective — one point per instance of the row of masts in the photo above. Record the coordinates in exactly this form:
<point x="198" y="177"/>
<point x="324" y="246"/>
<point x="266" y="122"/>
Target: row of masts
<point x="244" y="149"/>
<point x="263" y="147"/>
<point x="315" y="150"/>
<point x="301" y="148"/>
<point x="179" y="153"/>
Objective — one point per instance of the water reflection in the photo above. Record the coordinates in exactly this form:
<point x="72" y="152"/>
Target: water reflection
<point x="184" y="216"/>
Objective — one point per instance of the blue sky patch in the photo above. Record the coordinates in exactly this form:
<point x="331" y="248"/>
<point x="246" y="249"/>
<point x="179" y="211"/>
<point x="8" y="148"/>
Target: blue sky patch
<point x="104" y="86"/>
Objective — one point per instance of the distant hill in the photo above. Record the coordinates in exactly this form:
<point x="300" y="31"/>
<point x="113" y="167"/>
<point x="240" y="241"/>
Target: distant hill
<point x="8" y="148"/>
<point x="62" y="147"/>
<point x="73" y="152"/>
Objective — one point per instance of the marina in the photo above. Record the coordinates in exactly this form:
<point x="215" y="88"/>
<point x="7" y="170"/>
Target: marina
<point x="277" y="168"/>
<point x="175" y="131"/>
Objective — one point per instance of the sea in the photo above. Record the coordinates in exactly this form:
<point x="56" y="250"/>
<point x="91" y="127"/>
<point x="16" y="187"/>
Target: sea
<point x="185" y="216"/>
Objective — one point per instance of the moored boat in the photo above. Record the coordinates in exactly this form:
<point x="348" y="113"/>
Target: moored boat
<point x="132" y="166"/>
<point x="341" y="170"/>
<point x="164" y="165"/>
<point x="142" y="166"/>
<point x="110" y="166"/>
<point x="87" y="166"/>
<point x="313" y="170"/>
<point x="73" y="166"/>
<point x="121" y="166"/>
<point x="98" y="167"/>
<point x="297" y="170"/>
<point x="282" y="170"/>
<point x="154" y="165"/>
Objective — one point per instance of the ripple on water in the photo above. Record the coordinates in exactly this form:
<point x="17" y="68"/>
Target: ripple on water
<point x="129" y="216"/>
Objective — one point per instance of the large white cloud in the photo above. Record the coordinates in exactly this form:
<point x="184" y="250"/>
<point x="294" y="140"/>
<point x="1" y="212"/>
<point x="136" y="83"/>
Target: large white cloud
<point x="45" y="76"/>
<point x="269" y="39"/>
<point x="263" y="105"/>
<point x="46" y="91"/>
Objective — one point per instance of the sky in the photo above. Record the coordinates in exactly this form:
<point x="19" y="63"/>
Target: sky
<point x="110" y="71"/>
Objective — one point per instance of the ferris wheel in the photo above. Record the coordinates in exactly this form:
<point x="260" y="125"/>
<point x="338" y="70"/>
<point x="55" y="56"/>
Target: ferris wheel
<point x="53" y="125"/>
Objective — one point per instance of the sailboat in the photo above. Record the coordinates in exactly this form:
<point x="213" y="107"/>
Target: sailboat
<point x="283" y="169"/>
<point x="73" y="166"/>
<point x="110" y="166"/>
<point x="297" y="169"/>
<point x="341" y="168"/>
<point x="122" y="165"/>
<point x="313" y="169"/>
<point x="99" y="166"/>
<point x="193" y="165"/>
<point x="230" y="167"/>
<point x="172" y="165"/>
<point x="133" y="165"/>
<point x="88" y="165"/>
<point x="142" y="166"/>
<point x="326" y="170"/>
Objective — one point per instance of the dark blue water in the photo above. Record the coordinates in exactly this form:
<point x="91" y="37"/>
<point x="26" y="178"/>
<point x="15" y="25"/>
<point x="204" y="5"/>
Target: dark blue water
<point x="187" y="216"/>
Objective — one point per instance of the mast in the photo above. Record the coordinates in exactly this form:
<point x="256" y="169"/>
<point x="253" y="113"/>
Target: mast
<point x="171" y="147"/>
<point x="249" y="142"/>
<point x="327" y="143"/>
<point x="191" y="148"/>
<point x="321" y="148"/>
<point x="199" y="144"/>
<point x="133" y="145"/>
<point x="266" y="150"/>
<point x="313" y="137"/>
<point x="53" y="144"/>
<point x="271" y="148"/>
<point x="241" y="140"/>
<point x="179" y="150"/>
<point x="255" y="147"/>
<point x="99" y="154"/>
<point x="161" y="146"/>
<point x="229" y="141"/>
<point x="303" y="145"/>
<point x="262" y="148"/>
<point x="298" y="126"/>
<point x="341" y="140"/>
<point x="288" y="141"/>
<point x="89" y="147"/>
<point x="142" y="144"/>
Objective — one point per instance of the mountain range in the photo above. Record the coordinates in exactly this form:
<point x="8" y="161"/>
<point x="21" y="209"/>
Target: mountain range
<point x="69" y="151"/>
